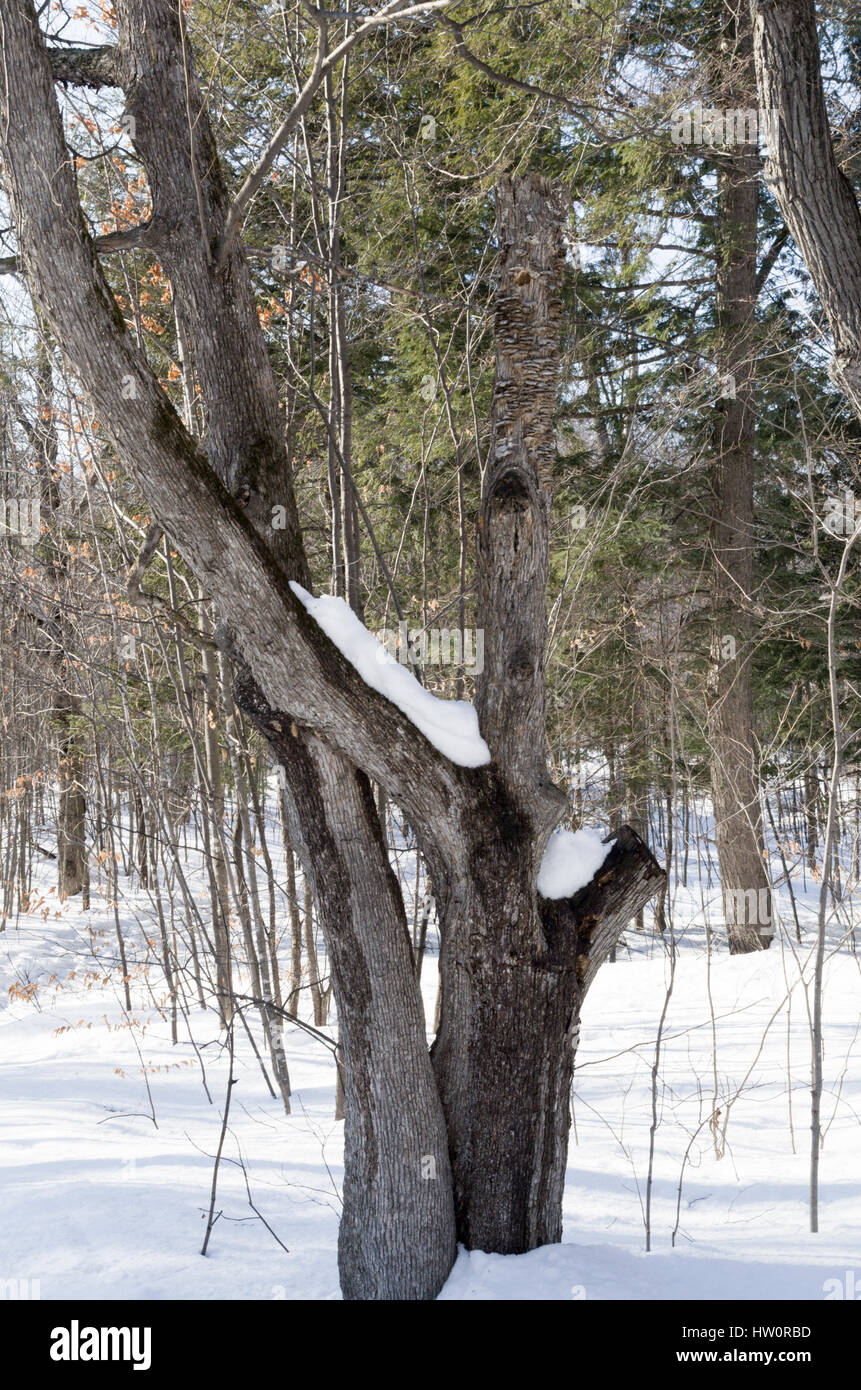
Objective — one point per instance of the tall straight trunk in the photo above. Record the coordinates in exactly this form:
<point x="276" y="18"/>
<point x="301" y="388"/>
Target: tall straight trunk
<point x="72" y="800"/>
<point x="811" y="811"/>
<point x="294" y="995"/>
<point x="220" y="888"/>
<point x="315" y="985"/>
<point x="71" y="810"/>
<point x="734" y="766"/>
<point x="142" y="840"/>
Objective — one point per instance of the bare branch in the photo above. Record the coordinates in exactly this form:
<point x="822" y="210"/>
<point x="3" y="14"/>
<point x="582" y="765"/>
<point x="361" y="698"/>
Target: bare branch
<point x="286" y="649"/>
<point x="130" y="239"/>
<point x="87" y="67"/>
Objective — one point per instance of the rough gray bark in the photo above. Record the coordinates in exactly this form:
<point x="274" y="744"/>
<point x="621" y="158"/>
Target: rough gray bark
<point x="514" y="973"/>
<point x="503" y="1051"/>
<point x="734" y="760"/>
<point x="397" y="1178"/>
<point x="816" y="199"/>
<point x="397" y="1236"/>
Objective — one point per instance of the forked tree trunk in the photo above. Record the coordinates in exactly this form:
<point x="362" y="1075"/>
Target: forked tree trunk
<point x="482" y="1131"/>
<point x="515" y="969"/>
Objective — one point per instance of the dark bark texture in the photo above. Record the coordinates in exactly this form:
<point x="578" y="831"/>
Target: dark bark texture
<point x="816" y="199"/>
<point x="504" y="1051"/>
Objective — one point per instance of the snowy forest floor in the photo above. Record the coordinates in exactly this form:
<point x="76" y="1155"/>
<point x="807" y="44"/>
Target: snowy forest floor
<point x="101" y="1200"/>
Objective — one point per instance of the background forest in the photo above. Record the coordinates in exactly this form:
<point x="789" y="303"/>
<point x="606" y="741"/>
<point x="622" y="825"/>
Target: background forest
<point x="703" y="641"/>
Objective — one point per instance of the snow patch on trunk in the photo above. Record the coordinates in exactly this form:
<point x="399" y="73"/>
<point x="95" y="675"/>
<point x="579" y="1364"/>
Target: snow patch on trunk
<point x="450" y="725"/>
<point x="571" y="860"/>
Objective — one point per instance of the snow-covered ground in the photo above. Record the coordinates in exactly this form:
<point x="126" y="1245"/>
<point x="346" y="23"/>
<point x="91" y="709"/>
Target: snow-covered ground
<point x="101" y="1200"/>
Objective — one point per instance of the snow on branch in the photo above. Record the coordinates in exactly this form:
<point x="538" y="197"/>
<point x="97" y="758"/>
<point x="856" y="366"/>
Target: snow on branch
<point x="571" y="860"/>
<point x="450" y="725"/>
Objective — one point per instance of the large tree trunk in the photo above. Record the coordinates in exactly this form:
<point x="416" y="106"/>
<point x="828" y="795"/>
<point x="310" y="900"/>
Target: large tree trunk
<point x="817" y="200"/>
<point x="734" y="762"/>
<point x="396" y="1238"/>
<point x="513" y="968"/>
<point x="397" y="1234"/>
<point x="510" y="991"/>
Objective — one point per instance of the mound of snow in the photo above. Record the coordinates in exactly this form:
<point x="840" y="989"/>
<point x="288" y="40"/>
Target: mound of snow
<point x="450" y="725"/>
<point x="571" y="860"/>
